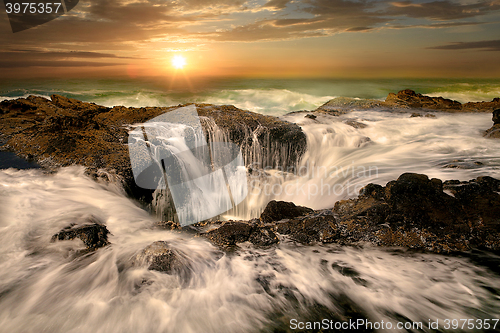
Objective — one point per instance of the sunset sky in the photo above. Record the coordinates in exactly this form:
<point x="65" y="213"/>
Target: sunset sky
<point x="260" y="38"/>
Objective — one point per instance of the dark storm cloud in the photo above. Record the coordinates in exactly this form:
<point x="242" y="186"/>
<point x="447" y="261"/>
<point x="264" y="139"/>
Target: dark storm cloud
<point x="441" y="10"/>
<point x="486" y="45"/>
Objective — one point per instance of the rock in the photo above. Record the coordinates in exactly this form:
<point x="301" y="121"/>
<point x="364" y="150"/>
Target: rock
<point x="64" y="131"/>
<point x="308" y="229"/>
<point x="406" y="99"/>
<point x="158" y="256"/>
<point x="310" y="116"/>
<point x="410" y="99"/>
<point x="414" y="211"/>
<point x="427" y="115"/>
<point x="278" y="210"/>
<point x="231" y="233"/>
<point x="480" y="200"/>
<point x="93" y="235"/>
<point x="263" y="236"/>
<point x="339" y="105"/>
<point x="494" y="131"/>
<point x="481" y="106"/>
<point x="355" y="124"/>
<point x="496" y="117"/>
<point x="463" y="164"/>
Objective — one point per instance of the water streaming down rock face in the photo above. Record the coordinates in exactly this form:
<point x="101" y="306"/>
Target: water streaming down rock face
<point x="341" y="158"/>
<point x="46" y="286"/>
<point x="258" y="149"/>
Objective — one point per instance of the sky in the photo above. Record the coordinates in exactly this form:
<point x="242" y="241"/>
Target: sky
<point x="259" y="38"/>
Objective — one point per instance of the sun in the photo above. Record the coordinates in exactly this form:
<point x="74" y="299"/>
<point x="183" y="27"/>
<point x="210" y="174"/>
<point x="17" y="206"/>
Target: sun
<point x="178" y="62"/>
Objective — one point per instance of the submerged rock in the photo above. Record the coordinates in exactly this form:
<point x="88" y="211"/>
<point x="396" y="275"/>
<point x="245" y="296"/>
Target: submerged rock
<point x="93" y="235"/>
<point x="355" y="124"/>
<point x="158" y="256"/>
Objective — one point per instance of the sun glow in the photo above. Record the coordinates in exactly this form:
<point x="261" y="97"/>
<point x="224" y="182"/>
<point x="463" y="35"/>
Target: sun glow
<point x="178" y="62"/>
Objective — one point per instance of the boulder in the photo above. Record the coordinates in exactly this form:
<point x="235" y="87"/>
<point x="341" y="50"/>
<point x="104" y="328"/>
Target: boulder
<point x="278" y="210"/>
<point x="410" y="99"/>
<point x="230" y="233"/>
<point x="93" y="235"/>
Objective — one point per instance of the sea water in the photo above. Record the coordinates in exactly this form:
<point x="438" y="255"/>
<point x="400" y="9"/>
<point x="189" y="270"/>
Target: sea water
<point x="47" y="287"/>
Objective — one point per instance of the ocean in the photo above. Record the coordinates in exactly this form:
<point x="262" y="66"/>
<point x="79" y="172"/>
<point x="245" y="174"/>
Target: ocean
<point x="267" y="96"/>
<point x="43" y="288"/>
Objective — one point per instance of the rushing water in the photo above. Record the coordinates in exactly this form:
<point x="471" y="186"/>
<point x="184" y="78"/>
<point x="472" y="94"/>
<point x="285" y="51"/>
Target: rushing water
<point x="46" y="287"/>
<point x="341" y="159"/>
<point x="49" y="287"/>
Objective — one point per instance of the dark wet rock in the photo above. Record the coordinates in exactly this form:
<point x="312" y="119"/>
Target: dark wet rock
<point x="496" y="117"/>
<point x="158" y="256"/>
<point x="64" y="131"/>
<point x="416" y="212"/>
<point x="230" y="233"/>
<point x="278" y="210"/>
<point x="309" y="229"/>
<point x="494" y="131"/>
<point x="93" y="235"/>
<point x="310" y="116"/>
<point x="480" y="200"/>
<point x="355" y="124"/>
<point x="263" y="236"/>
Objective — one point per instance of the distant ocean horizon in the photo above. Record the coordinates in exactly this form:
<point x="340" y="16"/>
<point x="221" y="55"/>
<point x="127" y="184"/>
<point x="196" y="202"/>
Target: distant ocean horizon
<point x="267" y="96"/>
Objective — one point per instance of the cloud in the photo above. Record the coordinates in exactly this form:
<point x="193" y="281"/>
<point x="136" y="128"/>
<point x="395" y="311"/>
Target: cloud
<point x="485" y="45"/>
<point x="59" y="54"/>
<point x="50" y="63"/>
<point x="276" y="4"/>
<point x="441" y="10"/>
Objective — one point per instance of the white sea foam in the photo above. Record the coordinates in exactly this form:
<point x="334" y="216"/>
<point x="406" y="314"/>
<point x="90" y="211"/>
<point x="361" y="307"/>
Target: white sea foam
<point x="42" y="288"/>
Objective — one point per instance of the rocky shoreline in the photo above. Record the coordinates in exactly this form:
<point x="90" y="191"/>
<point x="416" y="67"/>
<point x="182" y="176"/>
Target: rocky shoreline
<point x="64" y="131"/>
<point x="413" y="211"/>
